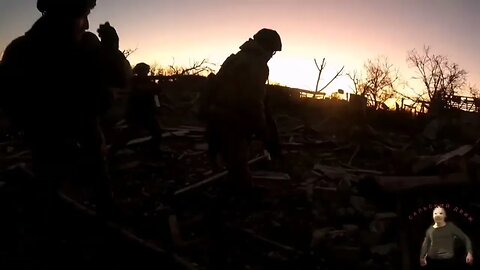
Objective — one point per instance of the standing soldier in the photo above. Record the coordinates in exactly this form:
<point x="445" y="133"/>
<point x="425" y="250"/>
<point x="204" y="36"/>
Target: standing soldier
<point x="57" y="108"/>
<point x="141" y="110"/>
<point x="234" y="107"/>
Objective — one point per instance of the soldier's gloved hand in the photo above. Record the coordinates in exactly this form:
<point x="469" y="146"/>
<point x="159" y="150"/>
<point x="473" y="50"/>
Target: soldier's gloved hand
<point x="108" y="36"/>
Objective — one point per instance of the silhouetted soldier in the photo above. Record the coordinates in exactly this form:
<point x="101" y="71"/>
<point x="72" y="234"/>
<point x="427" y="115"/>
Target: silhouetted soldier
<point x="58" y="81"/>
<point x="141" y="109"/>
<point x="235" y="109"/>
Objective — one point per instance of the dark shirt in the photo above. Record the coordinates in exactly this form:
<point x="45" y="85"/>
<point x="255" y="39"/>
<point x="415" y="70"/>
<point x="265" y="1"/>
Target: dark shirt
<point x="439" y="242"/>
<point x="141" y="102"/>
<point x="54" y="87"/>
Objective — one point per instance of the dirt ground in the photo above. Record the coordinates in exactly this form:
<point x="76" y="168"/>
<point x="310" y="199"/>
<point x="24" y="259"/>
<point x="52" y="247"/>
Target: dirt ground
<point x="348" y="195"/>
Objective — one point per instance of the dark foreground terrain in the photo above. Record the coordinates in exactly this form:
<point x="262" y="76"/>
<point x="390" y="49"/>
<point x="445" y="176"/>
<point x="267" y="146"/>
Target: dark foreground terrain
<point x="351" y="195"/>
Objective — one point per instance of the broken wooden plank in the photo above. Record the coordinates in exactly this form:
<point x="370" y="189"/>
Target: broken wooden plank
<point x="352" y="169"/>
<point x="201" y="183"/>
<point x="268" y="175"/>
<point x="405" y="183"/>
<point x="293" y="144"/>
<point x="18" y="155"/>
<point x="459" y="152"/>
<point x="262" y="239"/>
<point x="10" y="143"/>
<point x="193" y="128"/>
<point x="175" y="133"/>
<point x="317" y="173"/>
<point x="330" y="172"/>
<point x="139" y="140"/>
<point x="213" y="178"/>
<point x="422" y="163"/>
<point x="319" y="143"/>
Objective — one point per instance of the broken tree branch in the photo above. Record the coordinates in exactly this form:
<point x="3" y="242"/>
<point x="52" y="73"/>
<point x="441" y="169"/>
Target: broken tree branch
<point x="320" y="70"/>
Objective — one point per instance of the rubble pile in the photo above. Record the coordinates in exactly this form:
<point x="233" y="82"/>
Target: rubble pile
<point x="333" y="205"/>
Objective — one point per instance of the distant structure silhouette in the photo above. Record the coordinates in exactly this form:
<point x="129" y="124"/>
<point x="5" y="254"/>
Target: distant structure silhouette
<point x="234" y="107"/>
<point x="141" y="110"/>
<point x="71" y="72"/>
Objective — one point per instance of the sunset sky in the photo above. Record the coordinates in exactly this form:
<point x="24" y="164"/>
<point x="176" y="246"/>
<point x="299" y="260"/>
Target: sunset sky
<point x="344" y="32"/>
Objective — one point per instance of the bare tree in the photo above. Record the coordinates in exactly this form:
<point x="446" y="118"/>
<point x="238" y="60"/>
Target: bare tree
<point x="197" y="68"/>
<point x="357" y="83"/>
<point x="320" y="70"/>
<point x="378" y="85"/>
<point x="157" y="70"/>
<point x="380" y="79"/>
<point x="128" y="52"/>
<point x="474" y="91"/>
<point x="442" y="79"/>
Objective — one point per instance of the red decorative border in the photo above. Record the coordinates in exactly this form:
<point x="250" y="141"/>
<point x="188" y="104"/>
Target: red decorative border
<point x="446" y="206"/>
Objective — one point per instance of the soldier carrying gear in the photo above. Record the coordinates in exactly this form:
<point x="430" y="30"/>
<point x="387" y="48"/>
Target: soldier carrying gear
<point x="235" y="109"/>
<point x="235" y="105"/>
<point x="141" y="110"/>
<point x="58" y="109"/>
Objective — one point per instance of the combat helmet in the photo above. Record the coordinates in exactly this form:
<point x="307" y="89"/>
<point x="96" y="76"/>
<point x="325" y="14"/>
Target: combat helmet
<point x="141" y="69"/>
<point x="269" y="39"/>
<point x="70" y="7"/>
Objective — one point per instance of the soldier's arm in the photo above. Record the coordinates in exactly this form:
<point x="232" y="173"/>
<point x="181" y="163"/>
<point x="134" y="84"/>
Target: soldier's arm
<point x="466" y="240"/>
<point x="273" y="140"/>
<point x="425" y="245"/>
<point x="116" y="66"/>
<point x="13" y="50"/>
<point x="12" y="64"/>
<point x="256" y="96"/>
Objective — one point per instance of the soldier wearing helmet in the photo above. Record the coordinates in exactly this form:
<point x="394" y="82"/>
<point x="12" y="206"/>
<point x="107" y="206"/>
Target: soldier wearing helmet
<point x="58" y="108"/>
<point x="234" y="107"/>
<point x="141" y="110"/>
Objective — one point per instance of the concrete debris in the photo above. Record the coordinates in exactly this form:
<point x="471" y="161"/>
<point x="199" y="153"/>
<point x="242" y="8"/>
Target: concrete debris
<point x="320" y="201"/>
